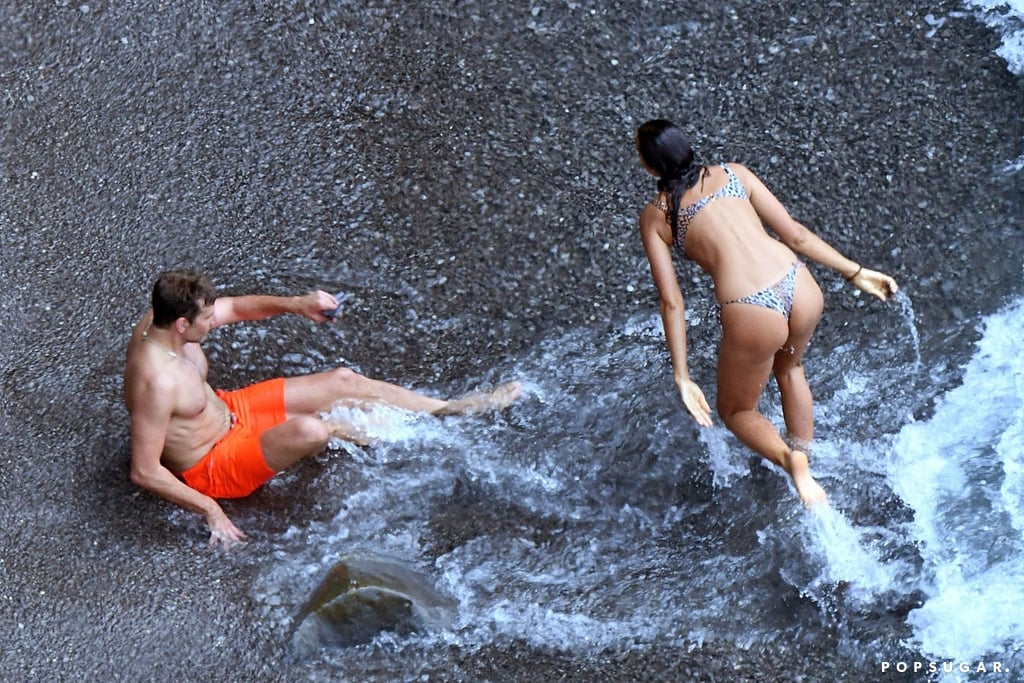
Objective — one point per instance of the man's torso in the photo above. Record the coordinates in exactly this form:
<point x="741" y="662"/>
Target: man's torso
<point x="199" y="418"/>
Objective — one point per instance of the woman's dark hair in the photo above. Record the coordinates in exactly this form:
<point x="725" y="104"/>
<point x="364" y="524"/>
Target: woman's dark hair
<point x="668" y="151"/>
<point x="181" y="294"/>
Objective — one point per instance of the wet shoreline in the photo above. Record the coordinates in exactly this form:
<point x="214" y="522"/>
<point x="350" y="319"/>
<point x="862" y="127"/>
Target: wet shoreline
<point x="478" y="174"/>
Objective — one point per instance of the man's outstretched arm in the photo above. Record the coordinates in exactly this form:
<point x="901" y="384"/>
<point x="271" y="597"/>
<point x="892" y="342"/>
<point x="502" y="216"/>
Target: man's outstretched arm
<point x="232" y="309"/>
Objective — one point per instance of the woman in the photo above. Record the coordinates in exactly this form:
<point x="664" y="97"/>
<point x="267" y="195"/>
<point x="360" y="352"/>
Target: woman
<point x="769" y="303"/>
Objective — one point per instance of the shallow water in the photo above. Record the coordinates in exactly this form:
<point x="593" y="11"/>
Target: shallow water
<point x="606" y="514"/>
<point x="467" y="173"/>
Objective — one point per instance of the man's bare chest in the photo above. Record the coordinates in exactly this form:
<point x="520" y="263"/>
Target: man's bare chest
<point x="192" y="393"/>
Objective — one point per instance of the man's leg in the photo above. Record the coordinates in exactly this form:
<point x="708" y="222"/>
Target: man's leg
<point x="312" y="394"/>
<point x="290" y="441"/>
<point x="283" y="439"/>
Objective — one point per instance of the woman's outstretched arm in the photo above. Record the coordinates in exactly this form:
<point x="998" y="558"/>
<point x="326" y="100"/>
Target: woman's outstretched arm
<point x="653" y="229"/>
<point x="803" y="241"/>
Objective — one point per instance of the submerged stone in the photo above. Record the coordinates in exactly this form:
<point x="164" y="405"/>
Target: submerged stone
<point x="361" y="597"/>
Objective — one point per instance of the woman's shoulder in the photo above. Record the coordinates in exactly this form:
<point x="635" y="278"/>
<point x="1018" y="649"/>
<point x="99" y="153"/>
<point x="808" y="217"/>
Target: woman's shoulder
<point x="747" y="178"/>
<point x="722" y="169"/>
<point x="725" y="166"/>
<point x="654" y="209"/>
<point x="659" y="202"/>
<point x="653" y="218"/>
<point x="736" y="168"/>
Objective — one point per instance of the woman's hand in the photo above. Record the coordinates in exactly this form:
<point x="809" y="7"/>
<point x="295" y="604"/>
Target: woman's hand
<point x="874" y="283"/>
<point x="693" y="399"/>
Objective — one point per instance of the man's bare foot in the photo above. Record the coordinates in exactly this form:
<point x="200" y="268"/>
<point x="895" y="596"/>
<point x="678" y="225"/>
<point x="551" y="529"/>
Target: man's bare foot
<point x="799" y="469"/>
<point x="499" y="398"/>
<point x="346" y="431"/>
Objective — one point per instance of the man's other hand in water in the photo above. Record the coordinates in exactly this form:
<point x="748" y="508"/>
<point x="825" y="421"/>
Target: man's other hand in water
<point x="223" y="531"/>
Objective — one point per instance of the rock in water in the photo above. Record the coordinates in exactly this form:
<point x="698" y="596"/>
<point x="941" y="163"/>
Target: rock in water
<point x="362" y="596"/>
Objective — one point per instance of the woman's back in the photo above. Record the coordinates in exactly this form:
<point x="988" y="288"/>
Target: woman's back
<point x="720" y="230"/>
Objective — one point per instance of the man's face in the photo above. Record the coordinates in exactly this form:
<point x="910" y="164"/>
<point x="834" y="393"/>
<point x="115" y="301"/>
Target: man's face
<point x="204" y="322"/>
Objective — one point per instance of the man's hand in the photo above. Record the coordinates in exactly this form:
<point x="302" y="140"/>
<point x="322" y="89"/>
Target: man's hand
<point x="223" y="531"/>
<point x="314" y="304"/>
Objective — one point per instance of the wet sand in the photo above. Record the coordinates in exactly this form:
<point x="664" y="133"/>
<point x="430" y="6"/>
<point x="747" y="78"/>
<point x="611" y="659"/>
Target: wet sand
<point x="476" y="163"/>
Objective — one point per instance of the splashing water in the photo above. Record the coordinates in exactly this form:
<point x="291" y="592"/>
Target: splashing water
<point x="846" y="554"/>
<point x="961" y="473"/>
<point x="600" y="472"/>
<point x="906" y="308"/>
<point x="1007" y="17"/>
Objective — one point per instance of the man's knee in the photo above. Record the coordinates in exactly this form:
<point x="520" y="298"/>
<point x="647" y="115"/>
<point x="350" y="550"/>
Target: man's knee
<point x="310" y="431"/>
<point x="346" y="379"/>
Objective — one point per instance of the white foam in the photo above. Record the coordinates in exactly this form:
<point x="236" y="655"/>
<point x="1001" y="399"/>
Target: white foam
<point x="847" y="553"/>
<point x="1006" y="17"/>
<point x="379" y="423"/>
<point x="600" y="449"/>
<point x="969" y="529"/>
<point x="971" y="617"/>
<point x="726" y="463"/>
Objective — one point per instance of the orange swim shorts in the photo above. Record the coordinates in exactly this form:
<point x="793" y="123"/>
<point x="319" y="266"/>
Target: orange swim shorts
<point x="235" y="466"/>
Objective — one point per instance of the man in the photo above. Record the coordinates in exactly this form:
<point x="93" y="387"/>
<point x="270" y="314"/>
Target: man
<point x="191" y="444"/>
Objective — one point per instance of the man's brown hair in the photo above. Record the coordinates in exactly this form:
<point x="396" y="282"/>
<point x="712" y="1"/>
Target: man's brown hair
<point x="181" y="294"/>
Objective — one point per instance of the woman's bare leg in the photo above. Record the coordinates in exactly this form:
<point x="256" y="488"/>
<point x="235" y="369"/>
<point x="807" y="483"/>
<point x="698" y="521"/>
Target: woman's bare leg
<point x="797" y="400"/>
<point x="751" y="335"/>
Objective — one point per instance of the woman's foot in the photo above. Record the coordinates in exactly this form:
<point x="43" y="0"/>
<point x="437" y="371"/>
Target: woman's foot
<point x="799" y="469"/>
<point x="498" y="399"/>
